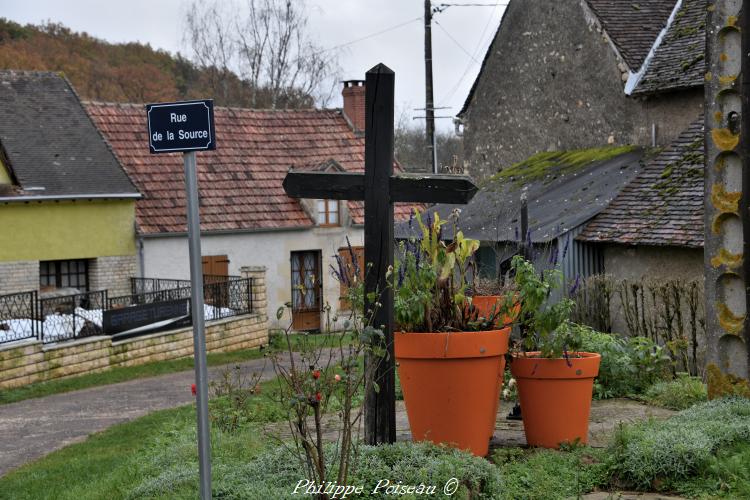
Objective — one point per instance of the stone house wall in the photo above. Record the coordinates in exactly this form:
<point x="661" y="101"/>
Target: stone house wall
<point x="553" y="82"/>
<point x="19" y="276"/>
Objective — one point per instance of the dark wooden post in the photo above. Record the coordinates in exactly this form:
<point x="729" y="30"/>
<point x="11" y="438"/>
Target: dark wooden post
<point x="380" y="404"/>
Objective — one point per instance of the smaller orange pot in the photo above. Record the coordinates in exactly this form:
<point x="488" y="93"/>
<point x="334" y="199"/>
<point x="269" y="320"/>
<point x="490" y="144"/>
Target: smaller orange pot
<point x="485" y="303"/>
<point x="451" y="384"/>
<point x="555" y="396"/>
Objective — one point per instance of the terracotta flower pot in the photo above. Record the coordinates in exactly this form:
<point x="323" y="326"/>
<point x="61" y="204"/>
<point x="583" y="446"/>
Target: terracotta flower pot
<point x="555" y="397"/>
<point x="485" y="303"/>
<point x="451" y="384"/>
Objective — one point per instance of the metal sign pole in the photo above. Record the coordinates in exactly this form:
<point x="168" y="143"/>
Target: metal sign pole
<point x="199" y="337"/>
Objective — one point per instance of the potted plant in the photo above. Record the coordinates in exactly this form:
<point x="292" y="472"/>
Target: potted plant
<point x="450" y="364"/>
<point x="487" y="299"/>
<point x="555" y="381"/>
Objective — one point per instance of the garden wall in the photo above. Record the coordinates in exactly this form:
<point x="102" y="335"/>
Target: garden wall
<point x="37" y="362"/>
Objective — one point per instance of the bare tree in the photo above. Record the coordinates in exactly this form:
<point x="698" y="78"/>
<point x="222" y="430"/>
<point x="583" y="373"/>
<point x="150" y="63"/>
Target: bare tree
<point x="267" y="42"/>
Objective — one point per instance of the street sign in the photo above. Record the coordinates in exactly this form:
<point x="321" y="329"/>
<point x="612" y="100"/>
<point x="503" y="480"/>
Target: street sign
<point x="181" y="126"/>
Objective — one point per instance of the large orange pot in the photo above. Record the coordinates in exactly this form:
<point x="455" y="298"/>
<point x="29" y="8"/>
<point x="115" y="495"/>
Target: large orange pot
<point x="484" y="305"/>
<point x="451" y="383"/>
<point x="555" y="396"/>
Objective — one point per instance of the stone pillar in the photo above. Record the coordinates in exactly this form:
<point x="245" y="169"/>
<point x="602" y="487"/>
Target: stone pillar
<point x="727" y="224"/>
<point x="260" y="300"/>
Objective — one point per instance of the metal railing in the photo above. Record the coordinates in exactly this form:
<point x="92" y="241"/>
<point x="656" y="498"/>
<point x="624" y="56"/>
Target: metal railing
<point x="18" y="318"/>
<point x="54" y="319"/>
<point x="71" y="316"/>
<point x="146" y="285"/>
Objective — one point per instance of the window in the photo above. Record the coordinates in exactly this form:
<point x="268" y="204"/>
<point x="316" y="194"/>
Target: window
<point x="328" y="212"/>
<point x="64" y="274"/>
<point x="351" y="270"/>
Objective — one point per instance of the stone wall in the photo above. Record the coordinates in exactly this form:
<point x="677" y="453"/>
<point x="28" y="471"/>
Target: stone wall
<point x="552" y="81"/>
<point x="36" y="362"/>
<point x="112" y="273"/>
<point x="19" y="276"/>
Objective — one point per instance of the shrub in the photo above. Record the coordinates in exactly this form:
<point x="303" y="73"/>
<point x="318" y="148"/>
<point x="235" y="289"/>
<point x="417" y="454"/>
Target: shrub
<point x="550" y="474"/>
<point x="659" y="454"/>
<point x="276" y="471"/>
<point x="628" y="366"/>
<point x="678" y="394"/>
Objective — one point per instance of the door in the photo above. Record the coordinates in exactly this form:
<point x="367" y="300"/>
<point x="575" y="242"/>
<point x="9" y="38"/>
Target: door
<point x="215" y="281"/>
<point x="307" y="290"/>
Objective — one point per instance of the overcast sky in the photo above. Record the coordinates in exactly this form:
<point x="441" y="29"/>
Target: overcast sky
<point x="460" y="38"/>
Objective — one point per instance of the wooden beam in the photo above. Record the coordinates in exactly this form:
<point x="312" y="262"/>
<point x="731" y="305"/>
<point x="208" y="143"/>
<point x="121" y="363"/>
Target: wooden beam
<point x="433" y="188"/>
<point x="380" y="399"/>
<point x="414" y="188"/>
<point x="325" y="185"/>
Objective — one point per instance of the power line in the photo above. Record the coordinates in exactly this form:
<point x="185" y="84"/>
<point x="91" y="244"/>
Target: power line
<point x="377" y="33"/>
<point x="468" y="5"/>
<point x="456" y="41"/>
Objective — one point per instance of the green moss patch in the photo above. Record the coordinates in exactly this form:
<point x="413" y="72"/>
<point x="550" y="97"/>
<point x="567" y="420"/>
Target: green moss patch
<point x="542" y="166"/>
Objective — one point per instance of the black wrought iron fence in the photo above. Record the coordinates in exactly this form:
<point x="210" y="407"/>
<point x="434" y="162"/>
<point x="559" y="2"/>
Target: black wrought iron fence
<point x="228" y="298"/>
<point x="18" y="318"/>
<point x="164" y="295"/>
<point x="72" y="316"/>
<point x="147" y="285"/>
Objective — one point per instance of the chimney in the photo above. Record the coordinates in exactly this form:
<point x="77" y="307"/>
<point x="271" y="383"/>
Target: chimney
<point x="354" y="103"/>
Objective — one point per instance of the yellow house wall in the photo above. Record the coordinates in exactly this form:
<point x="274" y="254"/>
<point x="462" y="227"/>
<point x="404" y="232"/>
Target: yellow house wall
<point x="4" y="174"/>
<point x="66" y="229"/>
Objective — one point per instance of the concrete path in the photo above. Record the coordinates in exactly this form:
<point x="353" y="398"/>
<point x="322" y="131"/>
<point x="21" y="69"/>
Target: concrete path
<point x="33" y="428"/>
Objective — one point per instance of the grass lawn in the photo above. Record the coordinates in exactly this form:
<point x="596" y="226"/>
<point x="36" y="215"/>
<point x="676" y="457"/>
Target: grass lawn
<point x="122" y="374"/>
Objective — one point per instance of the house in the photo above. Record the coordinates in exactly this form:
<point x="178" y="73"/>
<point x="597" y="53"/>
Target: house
<point x="564" y="190"/>
<point x="246" y="217"/>
<point x="575" y="74"/>
<point x="67" y="208"/>
<point x="654" y="227"/>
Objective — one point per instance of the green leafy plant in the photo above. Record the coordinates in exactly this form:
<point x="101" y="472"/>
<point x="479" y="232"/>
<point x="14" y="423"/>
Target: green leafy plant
<point x="431" y="278"/>
<point x="678" y="394"/>
<point x="546" y="326"/>
<point x="229" y="406"/>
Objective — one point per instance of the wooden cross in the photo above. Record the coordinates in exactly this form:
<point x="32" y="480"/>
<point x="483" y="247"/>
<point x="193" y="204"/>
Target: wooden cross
<point x="380" y="189"/>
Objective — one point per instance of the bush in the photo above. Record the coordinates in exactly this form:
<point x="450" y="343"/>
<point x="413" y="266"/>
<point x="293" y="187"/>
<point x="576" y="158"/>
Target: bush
<point x="274" y="472"/>
<point x="550" y="474"/>
<point x="661" y="454"/>
<point x="678" y="394"/>
<point x="628" y="366"/>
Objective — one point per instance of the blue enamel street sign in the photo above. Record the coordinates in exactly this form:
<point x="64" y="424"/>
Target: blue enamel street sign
<point x="181" y="126"/>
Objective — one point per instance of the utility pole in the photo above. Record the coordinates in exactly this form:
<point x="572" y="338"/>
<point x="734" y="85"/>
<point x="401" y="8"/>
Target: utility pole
<point x="429" y="100"/>
<point x="727" y="196"/>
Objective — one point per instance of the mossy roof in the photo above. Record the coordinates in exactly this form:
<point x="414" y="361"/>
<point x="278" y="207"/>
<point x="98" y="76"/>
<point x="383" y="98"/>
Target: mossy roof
<point x="663" y="205"/>
<point x="564" y="189"/>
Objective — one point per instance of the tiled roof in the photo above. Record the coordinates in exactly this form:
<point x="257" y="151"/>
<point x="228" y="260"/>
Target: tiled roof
<point x="239" y="182"/>
<point x="679" y="61"/>
<point x="663" y="205"/>
<point x="632" y="25"/>
<point x="50" y="144"/>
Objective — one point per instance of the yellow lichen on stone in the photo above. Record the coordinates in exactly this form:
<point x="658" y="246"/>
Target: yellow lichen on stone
<point x="729" y="321"/>
<point x="731" y="20"/>
<point x="723" y="56"/>
<point x="711" y="8"/>
<point x="727" y="80"/>
<point x="724" y="139"/>
<point x="723" y="201"/>
<point x="725" y="258"/>
<point x="725" y="384"/>
<point x="718" y="116"/>
<point x="708" y="76"/>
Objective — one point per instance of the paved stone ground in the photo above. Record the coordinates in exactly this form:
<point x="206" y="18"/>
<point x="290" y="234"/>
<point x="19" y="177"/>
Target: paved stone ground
<point x="606" y="415"/>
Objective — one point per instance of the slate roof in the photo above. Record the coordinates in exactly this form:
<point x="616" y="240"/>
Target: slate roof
<point x="632" y="25"/>
<point x="664" y="204"/>
<point x="240" y="182"/>
<point x="679" y="61"/>
<point x="564" y="190"/>
<point x="49" y="143"/>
